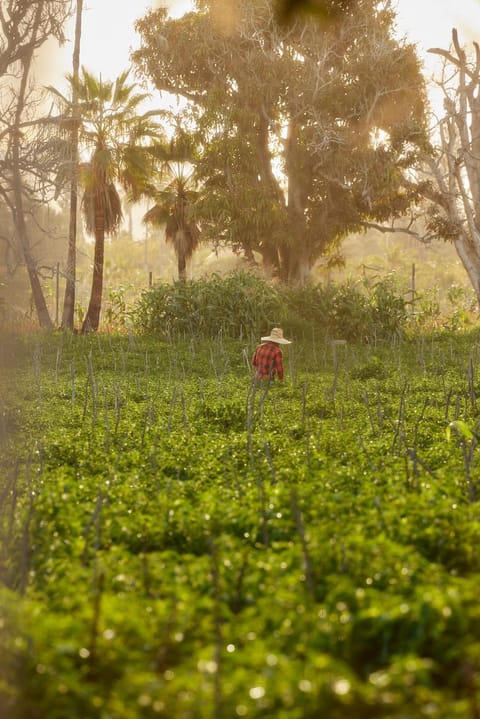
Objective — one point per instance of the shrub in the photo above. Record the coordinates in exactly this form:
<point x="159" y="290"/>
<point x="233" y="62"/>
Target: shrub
<point x="242" y="305"/>
<point x="236" y="306"/>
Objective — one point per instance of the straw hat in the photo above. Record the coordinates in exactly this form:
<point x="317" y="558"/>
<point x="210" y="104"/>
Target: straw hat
<point x="276" y="335"/>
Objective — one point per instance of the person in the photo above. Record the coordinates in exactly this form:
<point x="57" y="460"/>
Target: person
<point x="268" y="357"/>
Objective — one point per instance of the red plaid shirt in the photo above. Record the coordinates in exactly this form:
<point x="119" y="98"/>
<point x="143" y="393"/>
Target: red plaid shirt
<point x="268" y="361"/>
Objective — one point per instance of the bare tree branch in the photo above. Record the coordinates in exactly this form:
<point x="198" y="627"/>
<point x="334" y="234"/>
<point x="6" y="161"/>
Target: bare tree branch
<point x="385" y="229"/>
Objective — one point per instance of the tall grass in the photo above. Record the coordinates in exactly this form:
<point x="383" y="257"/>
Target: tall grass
<point x="242" y="306"/>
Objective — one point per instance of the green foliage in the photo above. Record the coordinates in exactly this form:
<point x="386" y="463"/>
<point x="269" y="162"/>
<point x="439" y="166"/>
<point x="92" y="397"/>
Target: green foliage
<point x="236" y="306"/>
<point x="116" y="309"/>
<point x="242" y="305"/>
<point x="389" y="307"/>
<point x="322" y="10"/>
<point x="173" y="545"/>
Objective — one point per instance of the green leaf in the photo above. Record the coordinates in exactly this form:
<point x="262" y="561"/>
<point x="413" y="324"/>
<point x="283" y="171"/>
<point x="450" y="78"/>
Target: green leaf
<point x="461" y="427"/>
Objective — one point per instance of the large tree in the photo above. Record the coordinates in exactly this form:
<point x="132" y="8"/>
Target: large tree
<point x="118" y="138"/>
<point x="24" y="175"/>
<point x="451" y="176"/>
<point x="305" y="127"/>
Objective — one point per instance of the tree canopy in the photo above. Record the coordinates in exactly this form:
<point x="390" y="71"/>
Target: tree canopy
<point x="303" y="129"/>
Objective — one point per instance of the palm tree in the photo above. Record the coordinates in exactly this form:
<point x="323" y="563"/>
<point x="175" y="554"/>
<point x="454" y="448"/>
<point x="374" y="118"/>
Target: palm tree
<point x="174" y="202"/>
<point x="115" y="134"/>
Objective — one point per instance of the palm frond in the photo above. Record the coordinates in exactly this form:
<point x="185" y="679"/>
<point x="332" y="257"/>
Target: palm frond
<point x="156" y="216"/>
<point x="183" y="238"/>
<point x="102" y="198"/>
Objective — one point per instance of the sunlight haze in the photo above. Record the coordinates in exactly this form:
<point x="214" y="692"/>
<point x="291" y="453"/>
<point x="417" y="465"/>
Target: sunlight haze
<point x="106" y="46"/>
<point x="108" y="37"/>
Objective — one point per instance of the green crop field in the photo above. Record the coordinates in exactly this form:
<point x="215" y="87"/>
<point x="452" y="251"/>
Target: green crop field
<point x="174" y="545"/>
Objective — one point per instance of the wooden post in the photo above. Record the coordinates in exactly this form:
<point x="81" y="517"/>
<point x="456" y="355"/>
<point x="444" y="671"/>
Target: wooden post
<point x="150" y="278"/>
<point x="57" y="291"/>
<point x="412" y="288"/>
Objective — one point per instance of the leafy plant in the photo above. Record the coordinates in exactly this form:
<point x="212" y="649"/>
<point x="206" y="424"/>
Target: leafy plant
<point x="242" y="305"/>
<point x="161" y="556"/>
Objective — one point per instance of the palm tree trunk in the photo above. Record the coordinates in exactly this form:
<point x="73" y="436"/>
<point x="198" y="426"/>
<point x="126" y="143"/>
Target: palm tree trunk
<point x="92" y="318"/>
<point x="69" y="299"/>
<point x="182" y="267"/>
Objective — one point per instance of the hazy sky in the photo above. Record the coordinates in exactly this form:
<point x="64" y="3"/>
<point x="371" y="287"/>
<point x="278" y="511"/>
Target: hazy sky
<point x="429" y="23"/>
<point x="108" y="35"/>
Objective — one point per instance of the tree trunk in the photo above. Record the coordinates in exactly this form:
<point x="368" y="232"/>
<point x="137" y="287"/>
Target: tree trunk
<point x="180" y="251"/>
<point x="18" y="210"/>
<point x="182" y="267"/>
<point x="92" y="318"/>
<point x="69" y="299"/>
<point x="469" y="253"/>
<point x="41" y="308"/>
<point x="296" y="264"/>
<point x="457" y="171"/>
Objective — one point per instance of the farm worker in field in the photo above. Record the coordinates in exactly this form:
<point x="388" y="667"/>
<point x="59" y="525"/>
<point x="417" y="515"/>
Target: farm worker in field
<point x="268" y="357"/>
